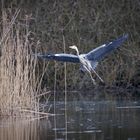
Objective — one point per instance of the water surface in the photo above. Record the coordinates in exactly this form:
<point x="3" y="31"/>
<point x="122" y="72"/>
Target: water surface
<point x="82" y="117"/>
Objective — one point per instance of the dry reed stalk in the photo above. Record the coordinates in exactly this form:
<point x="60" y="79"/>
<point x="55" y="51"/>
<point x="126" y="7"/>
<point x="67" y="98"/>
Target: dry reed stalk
<point x="18" y="86"/>
<point x="65" y="77"/>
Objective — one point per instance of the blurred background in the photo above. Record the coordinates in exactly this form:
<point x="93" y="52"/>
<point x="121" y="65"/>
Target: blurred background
<point x="54" y="25"/>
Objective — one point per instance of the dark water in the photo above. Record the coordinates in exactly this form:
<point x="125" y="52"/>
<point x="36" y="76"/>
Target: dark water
<point x="81" y="118"/>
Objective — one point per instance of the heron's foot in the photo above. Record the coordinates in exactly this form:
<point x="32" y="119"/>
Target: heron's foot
<point x="102" y="80"/>
<point x="93" y="80"/>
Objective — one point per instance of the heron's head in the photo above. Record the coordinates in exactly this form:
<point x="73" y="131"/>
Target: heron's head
<point x="73" y="47"/>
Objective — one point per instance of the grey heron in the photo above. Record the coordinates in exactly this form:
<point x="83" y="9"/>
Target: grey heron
<point x="86" y="64"/>
<point x="88" y="60"/>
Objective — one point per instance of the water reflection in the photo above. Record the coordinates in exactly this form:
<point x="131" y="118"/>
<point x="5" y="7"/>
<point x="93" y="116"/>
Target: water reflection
<point x="93" y="118"/>
<point x="17" y="129"/>
<point x="99" y="120"/>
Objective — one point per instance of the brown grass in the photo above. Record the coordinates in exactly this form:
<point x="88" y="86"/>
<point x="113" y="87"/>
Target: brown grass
<point x="19" y="85"/>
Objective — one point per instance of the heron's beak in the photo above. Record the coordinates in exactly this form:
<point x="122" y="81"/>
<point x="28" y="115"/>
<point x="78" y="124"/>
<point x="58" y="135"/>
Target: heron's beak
<point x="72" y="47"/>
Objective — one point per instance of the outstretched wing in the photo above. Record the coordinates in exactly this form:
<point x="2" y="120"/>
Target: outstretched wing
<point x="103" y="50"/>
<point x="59" y="57"/>
<point x="66" y="57"/>
<point x="43" y="56"/>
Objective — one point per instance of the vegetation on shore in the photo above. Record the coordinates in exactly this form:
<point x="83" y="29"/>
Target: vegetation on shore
<point x="19" y="80"/>
<point x="52" y="26"/>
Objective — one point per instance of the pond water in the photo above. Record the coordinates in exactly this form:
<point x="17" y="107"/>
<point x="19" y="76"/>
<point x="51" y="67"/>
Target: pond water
<point x="82" y="117"/>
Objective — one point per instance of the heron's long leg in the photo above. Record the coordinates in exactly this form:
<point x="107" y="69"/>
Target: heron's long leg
<point x="92" y="78"/>
<point x="98" y="75"/>
<point x="90" y="74"/>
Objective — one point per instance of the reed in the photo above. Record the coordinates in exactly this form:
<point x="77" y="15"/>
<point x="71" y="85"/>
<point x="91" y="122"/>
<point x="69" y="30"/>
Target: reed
<point x="19" y="85"/>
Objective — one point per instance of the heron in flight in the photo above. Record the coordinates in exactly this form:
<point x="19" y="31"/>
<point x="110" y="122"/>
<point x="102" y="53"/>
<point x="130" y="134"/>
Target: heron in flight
<point x="88" y="60"/>
<point x="86" y="64"/>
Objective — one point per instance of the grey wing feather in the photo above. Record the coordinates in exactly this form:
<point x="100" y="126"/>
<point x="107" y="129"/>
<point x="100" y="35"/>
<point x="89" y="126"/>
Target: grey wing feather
<point x="103" y="50"/>
<point x="59" y="57"/>
<point x="93" y="64"/>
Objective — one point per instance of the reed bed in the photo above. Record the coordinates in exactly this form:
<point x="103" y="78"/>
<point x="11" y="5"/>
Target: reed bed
<point x="19" y="81"/>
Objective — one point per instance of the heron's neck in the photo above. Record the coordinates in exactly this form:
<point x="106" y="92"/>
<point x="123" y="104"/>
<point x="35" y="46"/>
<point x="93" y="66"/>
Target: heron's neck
<point x="77" y="51"/>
